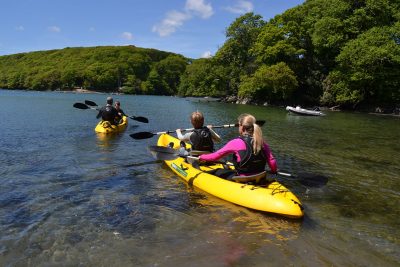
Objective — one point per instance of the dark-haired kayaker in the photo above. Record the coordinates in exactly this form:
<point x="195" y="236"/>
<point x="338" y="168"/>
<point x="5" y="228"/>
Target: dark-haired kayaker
<point x="120" y="112"/>
<point x="108" y="112"/>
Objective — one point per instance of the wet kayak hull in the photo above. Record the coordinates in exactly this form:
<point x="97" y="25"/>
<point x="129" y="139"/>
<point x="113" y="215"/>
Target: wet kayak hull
<point x="272" y="197"/>
<point x="106" y="127"/>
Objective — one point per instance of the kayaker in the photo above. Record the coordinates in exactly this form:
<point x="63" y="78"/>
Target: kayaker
<point x="250" y="152"/>
<point x="121" y="113"/>
<point x="108" y="112"/>
<point x="202" y="138"/>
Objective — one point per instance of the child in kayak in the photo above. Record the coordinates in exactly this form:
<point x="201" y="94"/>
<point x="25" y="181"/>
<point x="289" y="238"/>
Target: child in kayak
<point x="202" y="138"/>
<point x="250" y="152"/>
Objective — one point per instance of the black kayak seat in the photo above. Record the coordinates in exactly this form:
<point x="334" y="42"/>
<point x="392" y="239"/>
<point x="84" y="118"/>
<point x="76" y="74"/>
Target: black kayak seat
<point x="250" y="178"/>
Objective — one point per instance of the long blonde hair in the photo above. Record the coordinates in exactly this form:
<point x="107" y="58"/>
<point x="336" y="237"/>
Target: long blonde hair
<point x="248" y="122"/>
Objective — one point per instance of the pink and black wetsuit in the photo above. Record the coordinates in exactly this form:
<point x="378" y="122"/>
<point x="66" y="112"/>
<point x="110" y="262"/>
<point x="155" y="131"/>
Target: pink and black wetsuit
<point x="238" y="148"/>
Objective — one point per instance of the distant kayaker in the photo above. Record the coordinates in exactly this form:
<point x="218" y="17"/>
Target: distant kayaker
<point x="121" y="113"/>
<point x="108" y="112"/>
<point x="250" y="152"/>
<point x="202" y="138"/>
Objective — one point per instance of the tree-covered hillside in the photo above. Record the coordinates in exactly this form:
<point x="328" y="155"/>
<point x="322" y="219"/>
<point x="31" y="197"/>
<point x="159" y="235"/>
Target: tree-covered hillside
<point x="107" y="68"/>
<point x="326" y="52"/>
<point x="329" y="52"/>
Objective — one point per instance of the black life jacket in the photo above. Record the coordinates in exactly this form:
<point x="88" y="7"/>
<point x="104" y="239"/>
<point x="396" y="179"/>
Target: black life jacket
<point x="201" y="139"/>
<point x="108" y="113"/>
<point x="249" y="163"/>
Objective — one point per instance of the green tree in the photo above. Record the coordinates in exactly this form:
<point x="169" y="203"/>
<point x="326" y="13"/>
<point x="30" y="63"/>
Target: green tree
<point x="204" y="78"/>
<point x="99" y="68"/>
<point x="272" y="83"/>
<point x="235" y="53"/>
<point x="368" y="69"/>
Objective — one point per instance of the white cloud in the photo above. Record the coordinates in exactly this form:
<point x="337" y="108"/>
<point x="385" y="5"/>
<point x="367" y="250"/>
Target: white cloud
<point x="175" y="19"/>
<point x="241" y="7"/>
<point x="199" y="8"/>
<point x="127" y="35"/>
<point x="206" y="54"/>
<point x="20" y="28"/>
<point x="54" y="29"/>
<point x="169" y="25"/>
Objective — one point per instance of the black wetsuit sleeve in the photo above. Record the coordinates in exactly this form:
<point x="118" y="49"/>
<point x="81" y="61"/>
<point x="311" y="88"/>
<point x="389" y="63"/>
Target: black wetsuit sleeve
<point x="99" y="114"/>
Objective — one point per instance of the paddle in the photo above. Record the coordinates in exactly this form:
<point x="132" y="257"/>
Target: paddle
<point x="163" y="153"/>
<point x="307" y="179"/>
<point x="146" y="135"/>
<point x="83" y="106"/>
<point x="136" y="118"/>
<point x="93" y="104"/>
<point x="90" y="103"/>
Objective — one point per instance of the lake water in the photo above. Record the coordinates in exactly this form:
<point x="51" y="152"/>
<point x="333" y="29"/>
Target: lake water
<point x="71" y="197"/>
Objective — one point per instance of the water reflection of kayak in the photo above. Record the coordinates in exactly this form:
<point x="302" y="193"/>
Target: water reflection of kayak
<point x="107" y="127"/>
<point x="272" y="197"/>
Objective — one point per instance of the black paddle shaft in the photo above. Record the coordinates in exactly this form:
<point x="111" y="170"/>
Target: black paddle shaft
<point x="146" y="135"/>
<point x="93" y="104"/>
<point x="306" y="179"/>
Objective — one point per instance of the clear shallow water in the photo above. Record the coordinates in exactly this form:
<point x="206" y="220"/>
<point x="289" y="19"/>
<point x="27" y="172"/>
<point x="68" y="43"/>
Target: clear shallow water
<point x="71" y="197"/>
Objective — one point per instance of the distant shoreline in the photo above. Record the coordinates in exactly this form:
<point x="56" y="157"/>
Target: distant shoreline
<point x="86" y="91"/>
<point x="210" y="99"/>
<point x="79" y="90"/>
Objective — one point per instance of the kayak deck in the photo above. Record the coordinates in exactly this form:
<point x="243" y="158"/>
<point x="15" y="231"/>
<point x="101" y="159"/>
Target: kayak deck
<point x="272" y="197"/>
<point x="106" y="127"/>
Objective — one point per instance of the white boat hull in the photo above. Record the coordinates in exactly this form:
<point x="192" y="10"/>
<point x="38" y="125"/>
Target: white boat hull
<point x="304" y="112"/>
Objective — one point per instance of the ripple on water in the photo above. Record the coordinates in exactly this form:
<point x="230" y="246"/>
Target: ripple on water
<point x="71" y="198"/>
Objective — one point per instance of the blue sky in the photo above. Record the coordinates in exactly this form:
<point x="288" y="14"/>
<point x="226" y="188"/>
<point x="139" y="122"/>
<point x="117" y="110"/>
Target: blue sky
<point x="193" y="28"/>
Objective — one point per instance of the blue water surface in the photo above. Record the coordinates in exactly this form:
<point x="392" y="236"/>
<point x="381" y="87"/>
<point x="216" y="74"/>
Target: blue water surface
<point x="72" y="197"/>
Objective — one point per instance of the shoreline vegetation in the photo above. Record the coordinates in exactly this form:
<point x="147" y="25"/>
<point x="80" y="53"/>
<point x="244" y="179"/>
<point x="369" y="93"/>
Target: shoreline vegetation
<point x="341" y="55"/>
<point x="235" y="100"/>
<point x="229" y="99"/>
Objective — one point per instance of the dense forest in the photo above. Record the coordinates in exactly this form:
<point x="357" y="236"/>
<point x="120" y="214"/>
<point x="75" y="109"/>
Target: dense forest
<point x="108" y="68"/>
<point x="324" y="52"/>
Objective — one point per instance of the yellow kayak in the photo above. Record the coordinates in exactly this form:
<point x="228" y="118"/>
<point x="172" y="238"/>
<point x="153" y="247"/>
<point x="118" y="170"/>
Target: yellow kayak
<point x="106" y="127"/>
<point x="272" y="197"/>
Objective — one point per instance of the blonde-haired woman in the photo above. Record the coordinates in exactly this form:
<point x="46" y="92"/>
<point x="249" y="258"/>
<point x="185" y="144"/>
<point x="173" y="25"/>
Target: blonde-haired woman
<point x="250" y="152"/>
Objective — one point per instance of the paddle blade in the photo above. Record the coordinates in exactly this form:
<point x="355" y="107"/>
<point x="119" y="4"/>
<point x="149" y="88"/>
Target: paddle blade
<point x="142" y="135"/>
<point x="90" y="103"/>
<point x="141" y="119"/>
<point x="312" y="180"/>
<point x="80" y="106"/>
<point x="307" y="179"/>
<point x="260" y="122"/>
<point x="163" y="153"/>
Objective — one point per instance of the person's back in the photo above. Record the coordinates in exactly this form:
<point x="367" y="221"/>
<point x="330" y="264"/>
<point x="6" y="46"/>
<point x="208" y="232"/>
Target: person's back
<point x="250" y="152"/>
<point x="201" y="138"/>
<point x="108" y="112"/>
<point x="250" y="162"/>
